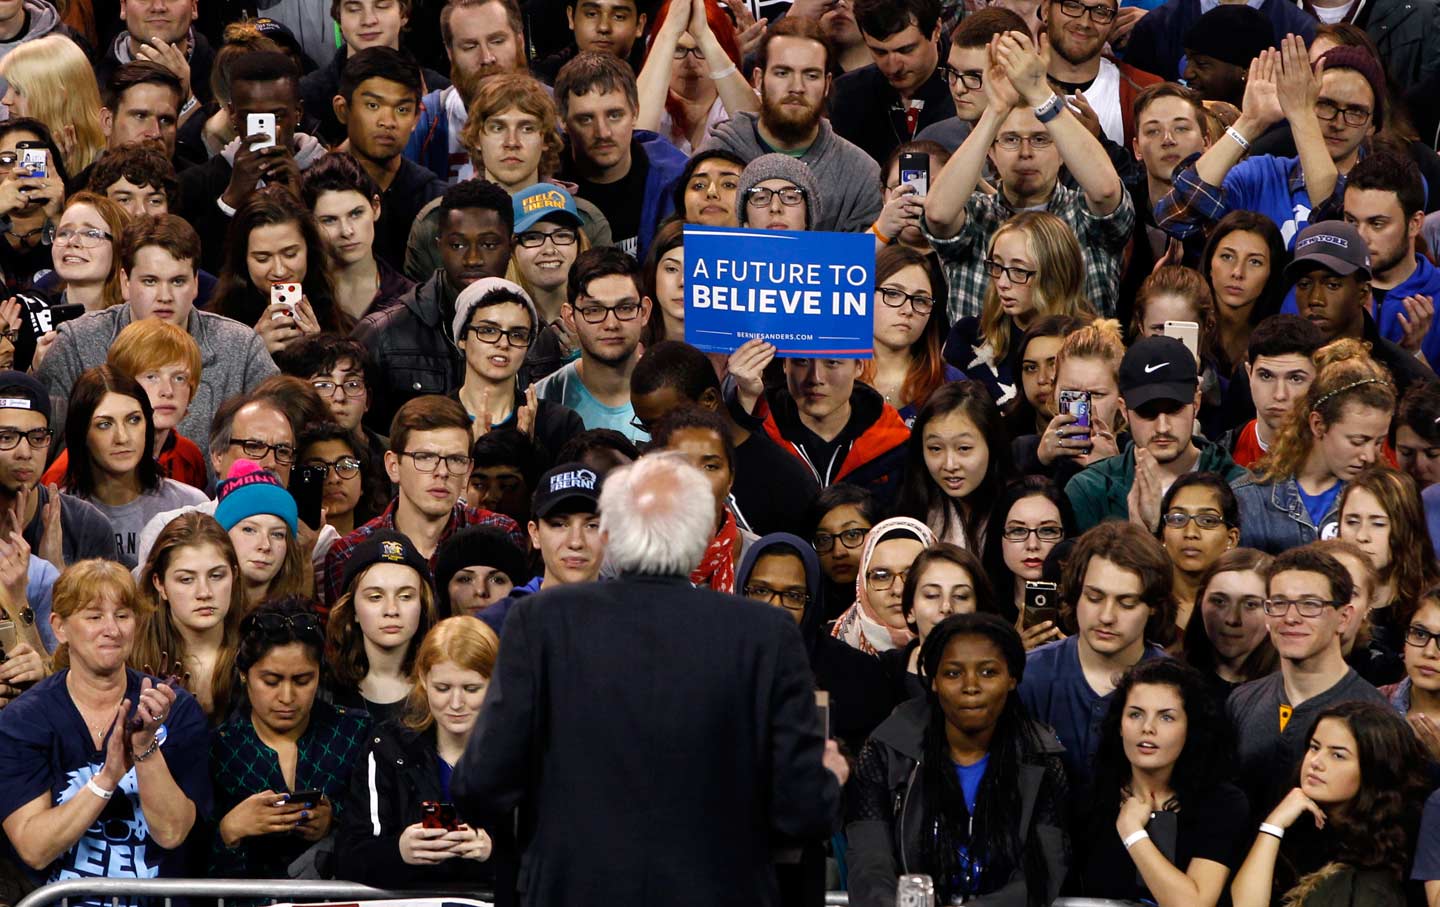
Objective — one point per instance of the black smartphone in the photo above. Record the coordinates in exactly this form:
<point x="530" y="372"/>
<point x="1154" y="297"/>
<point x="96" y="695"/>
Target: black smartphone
<point x="311" y="798"/>
<point x="1041" y="603"/>
<point x="915" y="169"/>
<point x="434" y="814"/>
<point x="46" y="319"/>
<point x="307" y="487"/>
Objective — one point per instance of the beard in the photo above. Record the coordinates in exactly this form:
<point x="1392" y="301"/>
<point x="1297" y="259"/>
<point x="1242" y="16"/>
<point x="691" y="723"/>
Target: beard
<point x="788" y="123"/>
<point x="1070" y="50"/>
<point x="614" y="360"/>
<point x="1392" y="257"/>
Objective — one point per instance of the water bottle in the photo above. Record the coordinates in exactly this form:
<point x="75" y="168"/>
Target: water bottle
<point x="915" y="891"/>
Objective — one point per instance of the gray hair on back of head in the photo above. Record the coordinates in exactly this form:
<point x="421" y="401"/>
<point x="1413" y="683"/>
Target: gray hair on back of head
<point x="658" y="516"/>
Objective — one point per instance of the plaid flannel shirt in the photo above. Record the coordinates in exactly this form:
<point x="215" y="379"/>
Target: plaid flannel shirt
<point x="1102" y="242"/>
<point x="461" y="517"/>
<point x="1267" y="184"/>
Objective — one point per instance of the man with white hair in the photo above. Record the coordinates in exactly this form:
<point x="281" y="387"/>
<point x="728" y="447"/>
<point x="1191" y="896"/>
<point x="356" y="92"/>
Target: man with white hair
<point x="680" y="734"/>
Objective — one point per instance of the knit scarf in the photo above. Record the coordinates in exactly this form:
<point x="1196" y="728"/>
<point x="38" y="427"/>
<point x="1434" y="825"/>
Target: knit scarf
<point x="717" y="567"/>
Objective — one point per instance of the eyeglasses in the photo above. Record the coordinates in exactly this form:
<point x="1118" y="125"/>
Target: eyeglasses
<point x="38" y="437"/>
<point x="792" y="599"/>
<point x="1043" y="533"/>
<point x="10" y="334"/>
<point x="534" y="239"/>
<point x="278" y="623"/>
<point x="1419" y="637"/>
<point x="345" y="467"/>
<point x="972" y="79"/>
<point x="894" y="298"/>
<point x="1176" y="519"/>
<point x="81" y="239"/>
<point x="1354" y="116"/>
<point x="637" y="422"/>
<point x="255" y="449"/>
<point x="1011" y="141"/>
<point x="1099" y="14"/>
<point x="683" y="52"/>
<point x="491" y="334"/>
<point x="1018" y="276"/>
<point x="426" y="461"/>
<point x="1305" y="607"/>
<point x="882" y="579"/>
<point x="596" y="314"/>
<point x="759" y="197"/>
<point x="353" y="387"/>
<point x="850" y="538"/>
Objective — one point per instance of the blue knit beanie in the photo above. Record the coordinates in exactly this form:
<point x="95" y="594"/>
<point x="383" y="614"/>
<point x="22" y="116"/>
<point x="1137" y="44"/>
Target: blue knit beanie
<point x="252" y="490"/>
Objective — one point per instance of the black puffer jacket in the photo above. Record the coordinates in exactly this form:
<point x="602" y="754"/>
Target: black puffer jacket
<point x="412" y="349"/>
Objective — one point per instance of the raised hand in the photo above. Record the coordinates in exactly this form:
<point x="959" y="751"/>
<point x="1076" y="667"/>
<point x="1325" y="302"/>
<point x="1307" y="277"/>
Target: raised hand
<point x="1297" y="85"/>
<point x="1415" y="321"/>
<point x="1262" y="100"/>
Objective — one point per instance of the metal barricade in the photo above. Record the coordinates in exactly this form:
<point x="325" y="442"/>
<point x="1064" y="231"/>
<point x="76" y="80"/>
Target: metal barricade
<point x="114" y="891"/>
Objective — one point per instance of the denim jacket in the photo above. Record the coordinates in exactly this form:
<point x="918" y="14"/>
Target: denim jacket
<point x="1273" y="517"/>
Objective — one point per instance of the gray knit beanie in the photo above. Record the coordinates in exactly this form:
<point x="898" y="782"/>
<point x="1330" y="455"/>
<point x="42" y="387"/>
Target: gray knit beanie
<point x="783" y="167"/>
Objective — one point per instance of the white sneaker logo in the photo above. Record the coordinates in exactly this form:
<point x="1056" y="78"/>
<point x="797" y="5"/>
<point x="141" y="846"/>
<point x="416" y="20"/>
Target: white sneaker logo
<point x="1151" y="368"/>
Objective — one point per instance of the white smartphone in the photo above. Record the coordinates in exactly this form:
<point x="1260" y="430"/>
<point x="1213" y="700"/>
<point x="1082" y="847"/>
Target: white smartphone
<point x="257" y="123"/>
<point x="283" y="299"/>
<point x="1188" y="333"/>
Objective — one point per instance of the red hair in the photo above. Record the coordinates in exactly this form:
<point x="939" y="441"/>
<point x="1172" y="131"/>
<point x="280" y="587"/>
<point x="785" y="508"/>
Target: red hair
<point x="724" y="30"/>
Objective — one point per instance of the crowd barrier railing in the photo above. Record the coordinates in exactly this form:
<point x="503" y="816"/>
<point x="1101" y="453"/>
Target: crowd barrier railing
<point x="162" y="891"/>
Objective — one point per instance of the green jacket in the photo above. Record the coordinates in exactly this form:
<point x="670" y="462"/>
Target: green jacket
<point x="1098" y="492"/>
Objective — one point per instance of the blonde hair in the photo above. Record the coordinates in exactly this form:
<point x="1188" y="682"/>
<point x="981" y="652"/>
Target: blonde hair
<point x="59" y="87"/>
<point x="519" y="91"/>
<point x="1345" y="373"/>
<point x="1102" y="340"/>
<point x="81" y="584"/>
<point x="465" y="641"/>
<point x="1058" y="285"/>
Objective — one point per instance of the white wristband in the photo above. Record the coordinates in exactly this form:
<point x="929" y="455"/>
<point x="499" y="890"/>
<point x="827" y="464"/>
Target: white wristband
<point x="1267" y="829"/>
<point x="727" y="71"/>
<point x="98" y="791"/>
<point x="1135" y="837"/>
<point x="1239" y="139"/>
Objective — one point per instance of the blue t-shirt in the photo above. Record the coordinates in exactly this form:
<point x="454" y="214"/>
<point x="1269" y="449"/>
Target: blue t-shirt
<point x="1318" y="505"/>
<point x="45" y="749"/>
<point x="970" y="777"/>
<point x="566" y="387"/>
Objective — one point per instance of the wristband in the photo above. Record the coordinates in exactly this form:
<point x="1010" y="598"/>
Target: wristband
<point x="1274" y="830"/>
<point x="1237" y="138"/>
<point x="875" y="228"/>
<point x="727" y="71"/>
<point x="1050" y="109"/>
<point x="97" y="790"/>
<point x="1135" y="837"/>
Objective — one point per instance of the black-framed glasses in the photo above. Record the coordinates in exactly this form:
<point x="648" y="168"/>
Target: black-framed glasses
<point x="1419" y="637"/>
<point x="922" y="303"/>
<point x="353" y="387"/>
<point x="427" y="461"/>
<point x="1305" y="607"/>
<point x="344" y="467"/>
<point x="759" y="196"/>
<point x="10" y="334"/>
<point x="596" y="314"/>
<point x="270" y="622"/>
<point x="637" y="422"/>
<point x="1017" y="276"/>
<point x="880" y="579"/>
<point x="1100" y="14"/>
<point x="255" y="449"/>
<point x="489" y="333"/>
<point x="81" y="237"/>
<point x="683" y="52"/>
<point x="39" y="438"/>
<point x="1354" y="116"/>
<point x="972" y="79"/>
<point x="534" y="239"/>
<point x="850" y="538"/>
<point x="792" y="599"/>
<point x="1043" y="533"/>
<point x="1177" y="519"/>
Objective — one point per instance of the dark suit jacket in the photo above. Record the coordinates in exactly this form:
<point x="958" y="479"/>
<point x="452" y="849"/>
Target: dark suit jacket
<point x="657" y="739"/>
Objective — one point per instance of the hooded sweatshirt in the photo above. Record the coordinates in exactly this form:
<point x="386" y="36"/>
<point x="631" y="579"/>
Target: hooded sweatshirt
<point x="862" y="626"/>
<point x="854" y="680"/>
<point x="41" y="18"/>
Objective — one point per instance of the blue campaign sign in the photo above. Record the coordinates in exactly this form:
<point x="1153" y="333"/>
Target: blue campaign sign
<point x="808" y="293"/>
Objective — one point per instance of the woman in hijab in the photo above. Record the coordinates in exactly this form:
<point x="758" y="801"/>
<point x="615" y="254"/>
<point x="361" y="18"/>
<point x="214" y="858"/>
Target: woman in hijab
<point x="876" y="622"/>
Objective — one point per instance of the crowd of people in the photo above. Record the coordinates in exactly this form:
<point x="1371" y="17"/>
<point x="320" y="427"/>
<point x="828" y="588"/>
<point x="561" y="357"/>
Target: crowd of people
<point x="365" y="514"/>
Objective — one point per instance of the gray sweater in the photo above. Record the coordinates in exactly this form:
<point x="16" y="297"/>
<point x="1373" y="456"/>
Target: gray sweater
<point x="233" y="360"/>
<point x="849" y="178"/>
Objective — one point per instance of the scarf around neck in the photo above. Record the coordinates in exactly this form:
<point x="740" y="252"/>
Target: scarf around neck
<point x="717" y="567"/>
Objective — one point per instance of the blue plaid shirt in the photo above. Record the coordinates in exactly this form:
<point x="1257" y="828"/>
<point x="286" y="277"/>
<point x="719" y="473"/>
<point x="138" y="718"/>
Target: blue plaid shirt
<point x="1266" y="184"/>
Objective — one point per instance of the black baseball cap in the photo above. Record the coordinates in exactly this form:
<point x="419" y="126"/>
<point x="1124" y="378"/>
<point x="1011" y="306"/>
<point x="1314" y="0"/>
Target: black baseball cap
<point x="1158" y="368"/>
<point x="1331" y="244"/>
<point x="568" y="488"/>
<point x="384" y="546"/>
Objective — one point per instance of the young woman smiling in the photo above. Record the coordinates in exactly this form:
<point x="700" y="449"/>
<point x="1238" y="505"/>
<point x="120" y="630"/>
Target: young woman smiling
<point x="83" y="252"/>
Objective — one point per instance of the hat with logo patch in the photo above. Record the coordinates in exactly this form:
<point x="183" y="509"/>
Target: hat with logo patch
<point x="544" y="201"/>
<point x="1158" y="368"/>
<point x="384" y="546"/>
<point x="568" y="488"/>
<point x="20" y="391"/>
<point x="1331" y="244"/>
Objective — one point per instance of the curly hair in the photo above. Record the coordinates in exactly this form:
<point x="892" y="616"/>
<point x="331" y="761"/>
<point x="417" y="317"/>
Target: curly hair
<point x="1128" y="546"/>
<point x="1346" y="374"/>
<point x="506" y="91"/>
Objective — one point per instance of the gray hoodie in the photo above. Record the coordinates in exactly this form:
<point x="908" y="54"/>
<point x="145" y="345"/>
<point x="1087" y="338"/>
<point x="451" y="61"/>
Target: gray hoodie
<point x="43" y="19"/>
<point x="849" y="178"/>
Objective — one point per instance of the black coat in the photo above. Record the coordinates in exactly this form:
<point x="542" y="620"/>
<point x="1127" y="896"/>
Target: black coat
<point x="656" y="739"/>
<point x="412" y="350"/>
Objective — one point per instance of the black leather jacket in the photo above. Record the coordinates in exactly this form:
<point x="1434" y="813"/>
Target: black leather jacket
<point x="411" y="349"/>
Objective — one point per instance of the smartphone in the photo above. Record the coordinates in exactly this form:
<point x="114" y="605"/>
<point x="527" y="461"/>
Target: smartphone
<point x="822" y="702"/>
<point x="307" y="487"/>
<point x="434" y="814"/>
<point x="283" y="299"/>
<point x="1188" y="333"/>
<point x="310" y="798"/>
<point x="257" y="123"/>
<point x="36" y="162"/>
<point x="915" y="170"/>
<point x="1077" y="404"/>
<point x="47" y="319"/>
<point x="1041" y="603"/>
